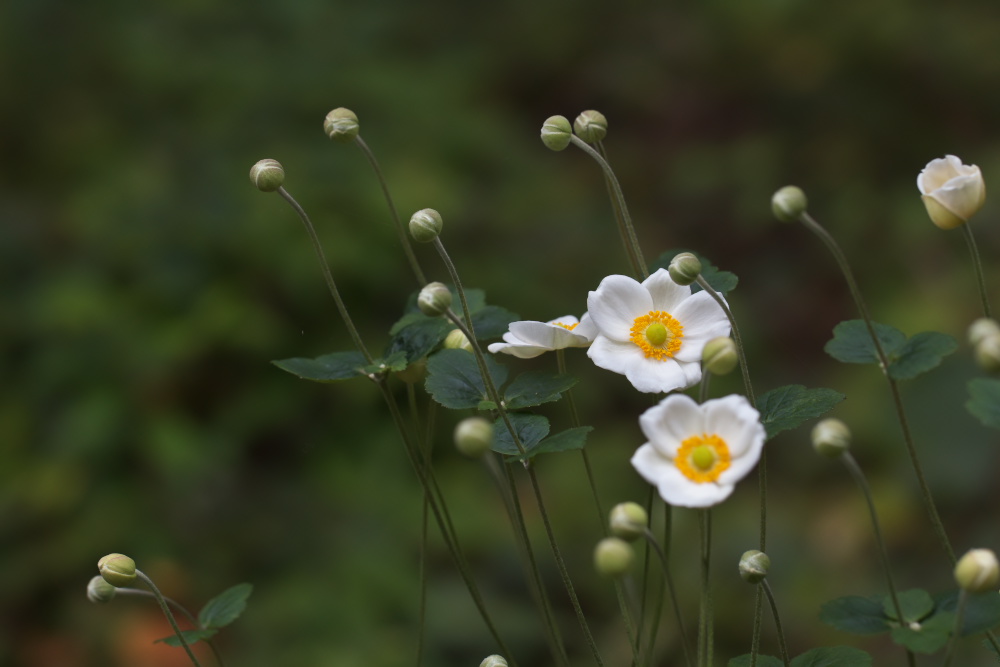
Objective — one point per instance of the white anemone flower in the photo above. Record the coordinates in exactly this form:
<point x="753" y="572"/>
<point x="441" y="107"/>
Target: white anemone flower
<point x="529" y="339"/>
<point x="951" y="191"/>
<point x="653" y="332"/>
<point x="697" y="453"/>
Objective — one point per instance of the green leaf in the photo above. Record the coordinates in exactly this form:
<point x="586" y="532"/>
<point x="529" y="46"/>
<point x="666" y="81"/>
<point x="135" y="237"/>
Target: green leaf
<point x="530" y="431"/>
<point x="190" y="636"/>
<point x="417" y="336"/>
<point x="927" y="637"/>
<point x="225" y="607"/>
<point x="454" y="381"/>
<point x="571" y="438"/>
<point x="984" y="401"/>
<point x="854" y="614"/>
<point x="916" y="605"/>
<point x="721" y="281"/>
<point x="534" y="388"/>
<point x="787" y="407"/>
<point x="833" y="656"/>
<point x="982" y="611"/>
<point x="327" y="368"/>
<point x="492" y="322"/>
<point x="762" y="661"/>
<point x="394" y="362"/>
<point x="908" y="358"/>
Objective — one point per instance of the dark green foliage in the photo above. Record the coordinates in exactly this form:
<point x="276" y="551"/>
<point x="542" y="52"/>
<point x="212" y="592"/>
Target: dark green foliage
<point x="908" y="357"/>
<point x="984" y="401"/>
<point x="217" y="613"/>
<point x="454" y="380"/>
<point x="787" y="407"/>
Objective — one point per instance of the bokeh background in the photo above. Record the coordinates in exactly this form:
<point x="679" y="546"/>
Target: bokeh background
<point x="147" y="285"/>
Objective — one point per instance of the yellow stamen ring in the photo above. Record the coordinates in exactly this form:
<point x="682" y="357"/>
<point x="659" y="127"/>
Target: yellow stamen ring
<point x="658" y="334"/>
<point x="567" y="327"/>
<point x="702" y="458"/>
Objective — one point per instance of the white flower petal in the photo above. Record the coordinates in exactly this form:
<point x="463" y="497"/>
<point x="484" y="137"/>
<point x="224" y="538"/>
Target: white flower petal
<point x="670" y="422"/>
<point x="612" y="356"/>
<point x="651" y="376"/>
<point x="667" y="295"/>
<point x="672" y="485"/>
<point x="519" y="350"/>
<point x="615" y="304"/>
<point x="586" y="328"/>
<point x="703" y="320"/>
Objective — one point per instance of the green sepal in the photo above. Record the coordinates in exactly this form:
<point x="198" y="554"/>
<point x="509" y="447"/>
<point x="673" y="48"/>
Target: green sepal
<point x="984" y="401"/>
<point x="331" y="367"/>
<point x="721" y="281"/>
<point x="787" y="407"/>
<point x="856" y="615"/>
<point x="454" y="380"/>
<point x="907" y="357"/>
<point x="190" y="636"/>
<point x="225" y="607"/>
<point x="534" y="388"/>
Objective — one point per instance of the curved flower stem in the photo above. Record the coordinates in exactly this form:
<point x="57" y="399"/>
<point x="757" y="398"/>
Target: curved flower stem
<point x="424" y="443"/>
<point x="897" y="400"/>
<point x="963" y="599"/>
<point x="669" y="581"/>
<point x="634" y="262"/>
<point x="741" y="354"/>
<point x="327" y="276"/>
<point x="777" y="621"/>
<point x="494" y="395"/>
<point x="705" y="623"/>
<point x="862" y="482"/>
<point x="404" y="238"/>
<point x="758" y="615"/>
<point x="635" y="254"/>
<point x="138" y="592"/>
<point x="170" y="617"/>
<point x="977" y="264"/>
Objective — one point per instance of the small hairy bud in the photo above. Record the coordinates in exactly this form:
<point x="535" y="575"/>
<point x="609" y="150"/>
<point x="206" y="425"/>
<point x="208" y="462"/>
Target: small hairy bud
<point x="684" y="268"/>
<point x="341" y="125"/>
<point x="789" y="203"/>
<point x="425" y="225"/>
<point x="613" y="557"/>
<point x="831" y="437"/>
<point x="493" y="661"/>
<point x="977" y="571"/>
<point x="556" y="132"/>
<point x="457" y="340"/>
<point x="434" y="299"/>
<point x="719" y="356"/>
<point x="754" y="565"/>
<point x="117" y="569"/>
<point x="628" y="521"/>
<point x="474" y="437"/>
<point x="100" y="591"/>
<point x="267" y="175"/>
<point x="591" y="126"/>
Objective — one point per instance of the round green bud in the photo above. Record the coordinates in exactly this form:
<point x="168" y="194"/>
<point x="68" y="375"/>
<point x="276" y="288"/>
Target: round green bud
<point x="493" y="661"/>
<point x="719" y="356"/>
<point x="987" y="353"/>
<point x="100" y="591"/>
<point x="415" y="372"/>
<point x="117" y="569"/>
<point x="341" y="125"/>
<point x="981" y="329"/>
<point x="457" y="340"/>
<point x="628" y="521"/>
<point x="474" y="437"/>
<point x="754" y="565"/>
<point x="267" y="175"/>
<point x="684" y="268"/>
<point x="556" y="132"/>
<point x="613" y="557"/>
<point x="434" y="299"/>
<point x="425" y="225"/>
<point x="789" y="203"/>
<point x="831" y="437"/>
<point x="591" y="126"/>
<point x="977" y="571"/>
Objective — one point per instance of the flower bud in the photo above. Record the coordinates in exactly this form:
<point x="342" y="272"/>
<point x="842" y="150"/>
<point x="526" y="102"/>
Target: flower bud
<point x="434" y="299"/>
<point x="591" y="126"/>
<point x="754" y="565"/>
<point x="613" y="557"/>
<point x="556" y="132"/>
<point x="267" y="175"/>
<point x="982" y="328"/>
<point x="415" y="372"/>
<point x="117" y="569"/>
<point x="831" y="437"/>
<point x="977" y="571"/>
<point x="987" y="353"/>
<point x="789" y="203"/>
<point x="457" y="340"/>
<point x="719" y="356"/>
<point x="493" y="661"/>
<point x="425" y="225"/>
<point x="100" y="591"/>
<point x="341" y="125"/>
<point x="474" y="437"/>
<point x="628" y="521"/>
<point x="951" y="191"/>
<point x="684" y="268"/>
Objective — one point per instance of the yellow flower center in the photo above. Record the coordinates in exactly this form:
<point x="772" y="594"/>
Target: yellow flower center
<point x="702" y="458"/>
<point x="658" y="334"/>
<point x="567" y="327"/>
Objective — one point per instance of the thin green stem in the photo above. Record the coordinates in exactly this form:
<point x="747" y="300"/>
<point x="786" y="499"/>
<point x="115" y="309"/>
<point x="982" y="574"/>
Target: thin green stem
<point x="634" y="261"/>
<point x="138" y="592"/>
<point x="424" y="444"/>
<point x="327" y="276"/>
<point x="705" y="622"/>
<point x="777" y="621"/>
<point x="616" y="189"/>
<point x="977" y="264"/>
<point x="404" y="238"/>
<point x="672" y="592"/>
<point x="740" y="353"/>
<point x="758" y="615"/>
<point x="170" y="616"/>
<point x="963" y="599"/>
<point x="925" y="491"/>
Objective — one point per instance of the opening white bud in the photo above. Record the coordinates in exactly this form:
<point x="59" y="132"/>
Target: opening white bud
<point x="556" y="132"/>
<point x="831" y="437"/>
<point x="628" y="521"/>
<point x="341" y="125"/>
<point x="719" y="356"/>
<point x="613" y="557"/>
<point x="457" y="340"/>
<point x="474" y="436"/>
<point x="425" y="225"/>
<point x="951" y="191"/>
<point x="789" y="203"/>
<point x="434" y="299"/>
<point x="591" y="126"/>
<point x="493" y="661"/>
<point x="267" y="175"/>
<point x="754" y="565"/>
<point x="977" y="571"/>
<point x="984" y="327"/>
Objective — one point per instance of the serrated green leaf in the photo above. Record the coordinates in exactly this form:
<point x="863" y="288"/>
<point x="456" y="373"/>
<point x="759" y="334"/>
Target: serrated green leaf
<point x="762" y="661"/>
<point x="927" y="637"/>
<point x="571" y="438"/>
<point x="854" y="614"/>
<point x="327" y="368"/>
<point x="833" y="656"/>
<point x="394" y="362"/>
<point x="534" y="388"/>
<point x="190" y="636"/>
<point x="530" y="431"/>
<point x="721" y="281"/>
<point x="492" y="322"/>
<point x="454" y="380"/>
<point x="920" y="354"/>
<point x="852" y="344"/>
<point x="982" y="611"/>
<point x="984" y="401"/>
<point x="787" y="407"/>
<point x="225" y="607"/>
<point x="418" y="336"/>
<point x="916" y="605"/>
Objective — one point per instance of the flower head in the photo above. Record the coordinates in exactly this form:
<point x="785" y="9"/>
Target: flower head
<point x="653" y="332"/>
<point x="697" y="453"/>
<point x="529" y="339"/>
<point x="952" y="191"/>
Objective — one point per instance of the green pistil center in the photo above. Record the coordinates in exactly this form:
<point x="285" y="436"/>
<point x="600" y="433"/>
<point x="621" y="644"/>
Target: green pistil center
<point x="656" y="333"/>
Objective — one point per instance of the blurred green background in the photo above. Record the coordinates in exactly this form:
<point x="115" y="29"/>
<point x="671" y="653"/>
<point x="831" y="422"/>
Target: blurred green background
<point x="146" y="286"/>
